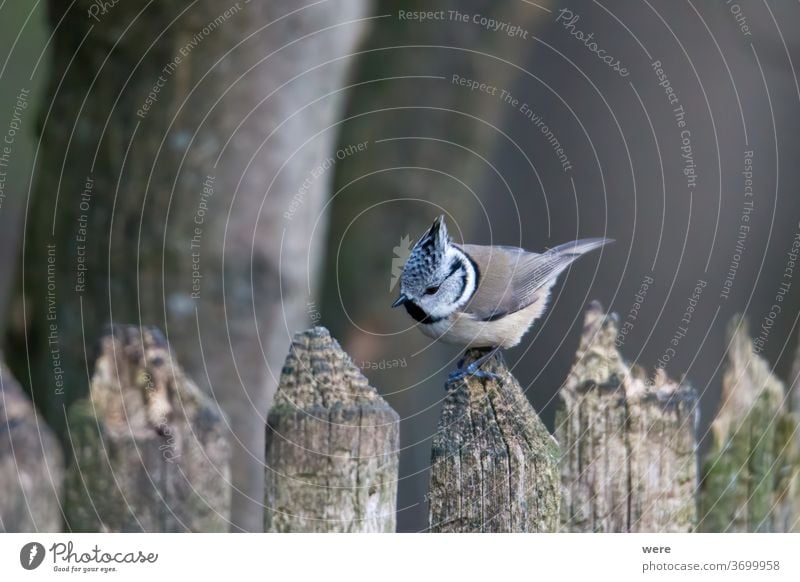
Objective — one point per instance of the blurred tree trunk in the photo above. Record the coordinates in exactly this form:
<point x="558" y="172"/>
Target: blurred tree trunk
<point x="20" y="97"/>
<point x="167" y="195"/>
<point x="406" y="90"/>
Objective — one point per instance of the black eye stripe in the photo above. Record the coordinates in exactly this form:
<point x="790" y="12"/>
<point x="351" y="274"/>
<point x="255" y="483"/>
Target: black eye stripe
<point x="456" y="266"/>
<point x="463" y="282"/>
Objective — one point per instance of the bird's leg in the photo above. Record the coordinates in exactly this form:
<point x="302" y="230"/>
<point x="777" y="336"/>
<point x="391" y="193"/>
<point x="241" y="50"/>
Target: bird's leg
<point x="474" y="369"/>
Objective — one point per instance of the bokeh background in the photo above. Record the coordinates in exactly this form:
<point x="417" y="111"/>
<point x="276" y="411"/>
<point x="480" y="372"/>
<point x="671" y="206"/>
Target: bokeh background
<point x="334" y="132"/>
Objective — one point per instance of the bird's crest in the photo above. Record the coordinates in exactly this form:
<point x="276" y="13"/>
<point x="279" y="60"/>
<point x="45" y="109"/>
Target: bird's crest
<point x="427" y="254"/>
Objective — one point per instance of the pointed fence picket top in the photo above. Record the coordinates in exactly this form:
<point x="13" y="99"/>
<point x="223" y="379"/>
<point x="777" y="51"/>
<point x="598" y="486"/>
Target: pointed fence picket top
<point x="494" y="465"/>
<point x="151" y="451"/>
<point x="628" y="441"/>
<point x="332" y="445"/>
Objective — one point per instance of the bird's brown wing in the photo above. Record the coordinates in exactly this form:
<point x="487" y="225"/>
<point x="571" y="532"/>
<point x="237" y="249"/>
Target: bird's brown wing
<point x="512" y="278"/>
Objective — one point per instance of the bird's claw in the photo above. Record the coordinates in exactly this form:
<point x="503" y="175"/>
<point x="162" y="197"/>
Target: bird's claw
<point x="456" y="375"/>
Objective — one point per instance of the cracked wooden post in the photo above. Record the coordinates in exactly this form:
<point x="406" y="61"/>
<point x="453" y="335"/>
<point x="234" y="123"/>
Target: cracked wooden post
<point x="31" y="464"/>
<point x="790" y="428"/>
<point x="494" y="465"/>
<point x="794" y="382"/>
<point x="150" y="448"/>
<point x="750" y="476"/>
<point x="332" y="445"/>
<point x="628" y="442"/>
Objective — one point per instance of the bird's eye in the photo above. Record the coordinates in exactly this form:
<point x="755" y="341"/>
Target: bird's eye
<point x="431" y="290"/>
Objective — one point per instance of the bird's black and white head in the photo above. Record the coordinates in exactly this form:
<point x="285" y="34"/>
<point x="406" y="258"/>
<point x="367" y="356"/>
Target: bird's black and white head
<point x="438" y="278"/>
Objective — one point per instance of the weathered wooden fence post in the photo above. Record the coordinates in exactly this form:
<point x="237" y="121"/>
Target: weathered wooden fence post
<point x="31" y="464"/>
<point x="794" y="383"/>
<point x="751" y="476"/>
<point x="150" y="447"/>
<point x="628" y="442"/>
<point x="494" y="465"/>
<point x="332" y="445"/>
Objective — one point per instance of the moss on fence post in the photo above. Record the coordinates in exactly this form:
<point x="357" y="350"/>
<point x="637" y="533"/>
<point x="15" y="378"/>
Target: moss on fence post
<point x="332" y="445"/>
<point x="628" y="442"/>
<point x="750" y="476"/>
<point x="150" y="449"/>
<point x="494" y="465"/>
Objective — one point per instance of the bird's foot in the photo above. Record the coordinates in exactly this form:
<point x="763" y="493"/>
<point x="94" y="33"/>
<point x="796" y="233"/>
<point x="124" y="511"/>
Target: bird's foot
<point x="457" y="374"/>
<point x="474" y="369"/>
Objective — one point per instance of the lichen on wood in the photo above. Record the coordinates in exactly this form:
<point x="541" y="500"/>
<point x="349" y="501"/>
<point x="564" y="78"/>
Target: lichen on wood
<point x="750" y="477"/>
<point x="332" y="445"/>
<point x="31" y="464"/>
<point x="494" y="465"/>
<point x="628" y="441"/>
<point x="150" y="448"/>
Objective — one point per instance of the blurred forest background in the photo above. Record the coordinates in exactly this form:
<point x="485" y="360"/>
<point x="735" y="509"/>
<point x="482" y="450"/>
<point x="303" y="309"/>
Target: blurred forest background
<point x="322" y="139"/>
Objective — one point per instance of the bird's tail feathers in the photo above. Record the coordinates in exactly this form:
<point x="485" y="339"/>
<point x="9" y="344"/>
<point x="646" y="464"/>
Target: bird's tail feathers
<point x="579" y="247"/>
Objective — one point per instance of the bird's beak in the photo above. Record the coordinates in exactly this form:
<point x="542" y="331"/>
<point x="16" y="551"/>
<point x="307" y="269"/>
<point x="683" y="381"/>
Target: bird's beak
<point x="400" y="300"/>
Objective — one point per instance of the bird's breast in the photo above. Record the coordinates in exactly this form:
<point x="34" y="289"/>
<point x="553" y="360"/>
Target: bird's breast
<point x="464" y="330"/>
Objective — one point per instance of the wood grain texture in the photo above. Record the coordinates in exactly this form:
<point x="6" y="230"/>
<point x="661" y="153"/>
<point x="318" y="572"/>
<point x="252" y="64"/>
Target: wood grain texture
<point x="794" y="382"/>
<point x="150" y="448"/>
<point x="751" y="477"/>
<point x="628" y="441"/>
<point x="31" y="464"/>
<point x="202" y="203"/>
<point x="331" y="447"/>
<point x="494" y="465"/>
